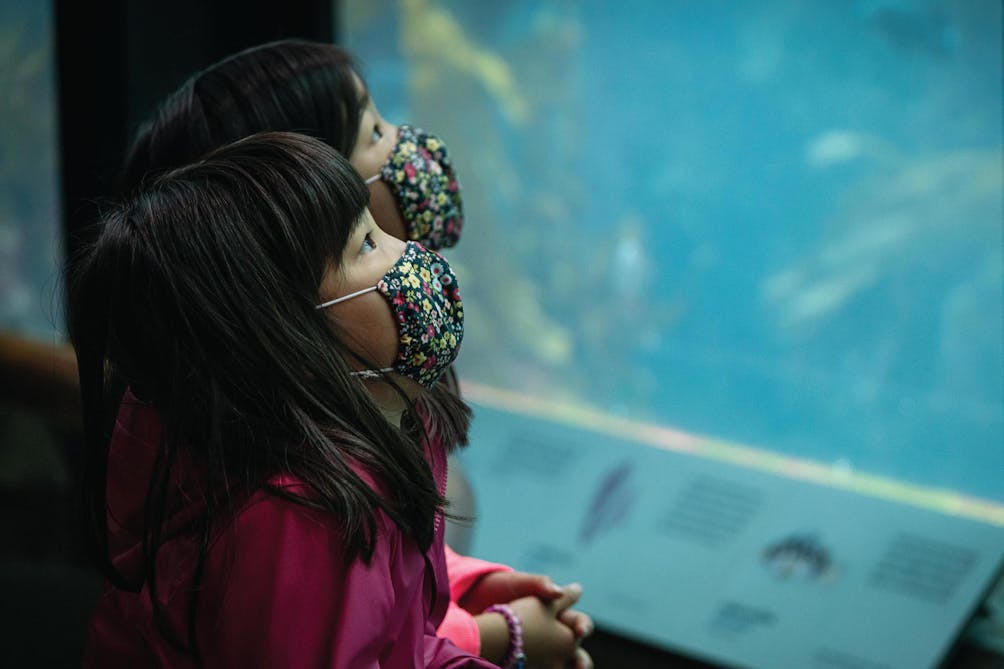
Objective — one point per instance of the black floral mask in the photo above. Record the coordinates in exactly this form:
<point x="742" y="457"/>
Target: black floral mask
<point x="423" y="295"/>
<point x="421" y="177"/>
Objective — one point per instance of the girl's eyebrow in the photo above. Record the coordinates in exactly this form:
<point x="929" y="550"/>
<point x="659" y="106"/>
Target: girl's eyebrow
<point x="356" y="224"/>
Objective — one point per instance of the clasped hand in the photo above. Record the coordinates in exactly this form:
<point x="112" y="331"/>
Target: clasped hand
<point x="552" y="629"/>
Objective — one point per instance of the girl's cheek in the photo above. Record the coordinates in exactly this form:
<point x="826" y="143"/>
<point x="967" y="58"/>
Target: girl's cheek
<point x="368" y="158"/>
<point x="371" y="330"/>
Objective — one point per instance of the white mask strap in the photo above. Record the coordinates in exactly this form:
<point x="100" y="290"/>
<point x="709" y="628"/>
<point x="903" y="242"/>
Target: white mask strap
<point x="373" y="179"/>
<point x="372" y="373"/>
<point x="345" y="297"/>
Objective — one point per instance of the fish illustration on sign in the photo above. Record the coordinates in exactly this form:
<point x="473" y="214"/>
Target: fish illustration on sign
<point x="800" y="555"/>
<point x="612" y="501"/>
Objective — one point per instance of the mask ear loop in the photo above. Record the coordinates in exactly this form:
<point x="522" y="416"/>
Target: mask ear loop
<point x="373" y="179"/>
<point x="372" y="373"/>
<point x="329" y="303"/>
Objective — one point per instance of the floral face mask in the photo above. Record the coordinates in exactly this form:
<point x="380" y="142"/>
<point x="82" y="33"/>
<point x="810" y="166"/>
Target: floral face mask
<point x="424" y="298"/>
<point x="421" y="177"/>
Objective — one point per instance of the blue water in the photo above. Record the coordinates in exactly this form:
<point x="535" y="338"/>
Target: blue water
<point x="30" y="245"/>
<point x="777" y="224"/>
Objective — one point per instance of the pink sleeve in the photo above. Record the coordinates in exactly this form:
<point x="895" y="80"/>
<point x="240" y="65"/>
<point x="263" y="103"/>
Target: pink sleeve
<point x="459" y="626"/>
<point x="285" y="596"/>
<point x="465" y="571"/>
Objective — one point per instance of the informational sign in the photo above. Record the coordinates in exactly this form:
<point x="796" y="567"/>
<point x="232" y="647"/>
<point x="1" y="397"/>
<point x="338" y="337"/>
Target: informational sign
<point x="745" y="563"/>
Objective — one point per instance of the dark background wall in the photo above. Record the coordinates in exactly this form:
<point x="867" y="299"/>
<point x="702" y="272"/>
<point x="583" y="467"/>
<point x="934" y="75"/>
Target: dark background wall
<point x="118" y="58"/>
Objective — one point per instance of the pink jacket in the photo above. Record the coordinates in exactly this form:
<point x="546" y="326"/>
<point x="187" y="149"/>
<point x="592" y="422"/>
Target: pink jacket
<point x="276" y="590"/>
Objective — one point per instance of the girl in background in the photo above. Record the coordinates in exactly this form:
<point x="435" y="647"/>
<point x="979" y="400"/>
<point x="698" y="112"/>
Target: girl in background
<point x="414" y="195"/>
<point x="268" y="494"/>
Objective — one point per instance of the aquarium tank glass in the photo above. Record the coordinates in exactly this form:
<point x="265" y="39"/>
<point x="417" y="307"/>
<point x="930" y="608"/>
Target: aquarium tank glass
<point x="723" y="264"/>
<point x="30" y="244"/>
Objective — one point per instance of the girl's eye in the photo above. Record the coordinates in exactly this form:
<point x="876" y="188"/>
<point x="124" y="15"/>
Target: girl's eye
<point x="368" y="245"/>
<point x="377" y="135"/>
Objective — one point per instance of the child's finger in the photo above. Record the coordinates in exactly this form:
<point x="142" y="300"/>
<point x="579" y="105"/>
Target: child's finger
<point x="504" y="586"/>
<point x="578" y="622"/>
<point x="582" y="660"/>
<point x="570" y="595"/>
<point x="538" y="585"/>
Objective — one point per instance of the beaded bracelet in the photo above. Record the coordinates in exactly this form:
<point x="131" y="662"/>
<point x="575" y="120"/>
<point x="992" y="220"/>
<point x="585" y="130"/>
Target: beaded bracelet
<point x="515" y="657"/>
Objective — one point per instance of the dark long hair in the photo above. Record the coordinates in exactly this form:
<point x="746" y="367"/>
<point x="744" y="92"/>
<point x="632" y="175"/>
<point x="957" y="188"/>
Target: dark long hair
<point x="199" y="293"/>
<point x="291" y="86"/>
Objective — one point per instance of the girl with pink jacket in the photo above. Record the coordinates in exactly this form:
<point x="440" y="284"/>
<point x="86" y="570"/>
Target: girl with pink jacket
<point x="414" y="195"/>
<point x="270" y="492"/>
